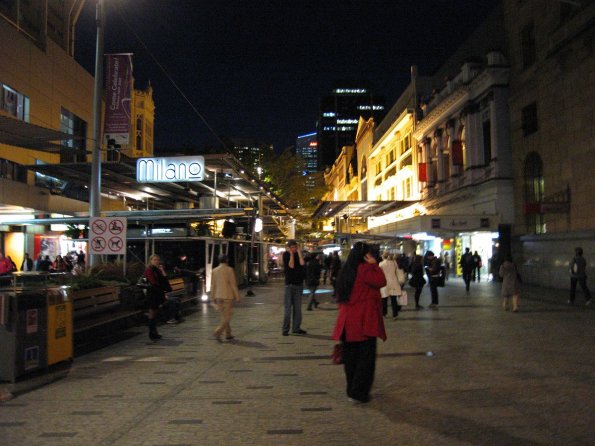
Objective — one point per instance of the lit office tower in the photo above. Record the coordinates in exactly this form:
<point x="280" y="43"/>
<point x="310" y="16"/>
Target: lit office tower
<point x="252" y="154"/>
<point x="306" y="146"/>
<point x="338" y="117"/>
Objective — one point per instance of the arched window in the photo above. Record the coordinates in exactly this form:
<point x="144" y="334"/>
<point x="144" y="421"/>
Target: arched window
<point x="534" y="192"/>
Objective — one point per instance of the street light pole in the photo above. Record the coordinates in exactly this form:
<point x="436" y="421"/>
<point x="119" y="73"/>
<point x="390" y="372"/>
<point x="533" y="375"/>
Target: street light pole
<point x="95" y="186"/>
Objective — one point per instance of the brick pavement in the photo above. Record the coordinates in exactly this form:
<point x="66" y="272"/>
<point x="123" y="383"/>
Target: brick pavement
<point x="466" y="374"/>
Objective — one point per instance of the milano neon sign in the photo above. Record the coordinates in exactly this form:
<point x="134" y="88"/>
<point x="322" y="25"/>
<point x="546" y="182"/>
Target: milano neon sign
<point x="170" y="170"/>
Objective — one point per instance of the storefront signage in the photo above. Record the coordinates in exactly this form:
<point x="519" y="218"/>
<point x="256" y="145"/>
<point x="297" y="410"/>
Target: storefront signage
<point x="170" y="170"/>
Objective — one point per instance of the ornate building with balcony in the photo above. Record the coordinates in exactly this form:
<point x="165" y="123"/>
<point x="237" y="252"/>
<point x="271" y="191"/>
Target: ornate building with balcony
<point x="552" y="98"/>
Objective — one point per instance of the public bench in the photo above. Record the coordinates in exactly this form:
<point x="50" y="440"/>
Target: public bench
<point x="179" y="289"/>
<point x="98" y="306"/>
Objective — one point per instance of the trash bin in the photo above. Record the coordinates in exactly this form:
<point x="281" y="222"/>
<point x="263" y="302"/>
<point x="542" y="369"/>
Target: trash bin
<point x="23" y="333"/>
<point x="35" y="326"/>
<point x="59" y="332"/>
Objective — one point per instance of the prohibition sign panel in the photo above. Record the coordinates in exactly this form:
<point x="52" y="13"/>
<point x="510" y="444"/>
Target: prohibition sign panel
<point x="107" y="235"/>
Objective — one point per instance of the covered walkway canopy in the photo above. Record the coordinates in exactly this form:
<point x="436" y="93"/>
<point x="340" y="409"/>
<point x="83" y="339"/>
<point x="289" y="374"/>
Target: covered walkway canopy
<point x="362" y="209"/>
<point x="226" y="178"/>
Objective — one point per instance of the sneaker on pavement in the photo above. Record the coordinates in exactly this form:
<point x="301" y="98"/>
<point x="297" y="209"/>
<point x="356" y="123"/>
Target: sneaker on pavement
<point x="172" y="321"/>
<point x="285" y="333"/>
<point x="300" y="331"/>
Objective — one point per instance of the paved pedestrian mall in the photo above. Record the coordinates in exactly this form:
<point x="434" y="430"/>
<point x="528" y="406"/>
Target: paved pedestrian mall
<point x="465" y="374"/>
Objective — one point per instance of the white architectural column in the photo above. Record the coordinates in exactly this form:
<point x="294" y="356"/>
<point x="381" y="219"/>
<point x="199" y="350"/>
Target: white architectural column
<point x="452" y="129"/>
<point x="500" y="132"/>
<point x="439" y="138"/>
<point x="472" y="135"/>
<point x="427" y="145"/>
<point x="477" y="147"/>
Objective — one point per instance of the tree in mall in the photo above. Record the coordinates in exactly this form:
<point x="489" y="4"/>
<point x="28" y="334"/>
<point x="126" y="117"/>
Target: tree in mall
<point x="287" y="177"/>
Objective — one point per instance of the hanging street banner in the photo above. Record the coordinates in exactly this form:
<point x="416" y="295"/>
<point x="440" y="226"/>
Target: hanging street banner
<point x="107" y="235"/>
<point x="118" y="86"/>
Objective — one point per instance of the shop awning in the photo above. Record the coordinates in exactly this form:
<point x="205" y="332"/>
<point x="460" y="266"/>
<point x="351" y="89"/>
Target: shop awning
<point x="438" y="225"/>
<point x="19" y="133"/>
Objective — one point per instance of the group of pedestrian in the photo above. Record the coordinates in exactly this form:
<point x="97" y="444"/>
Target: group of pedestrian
<point x="43" y="263"/>
<point x="364" y="285"/>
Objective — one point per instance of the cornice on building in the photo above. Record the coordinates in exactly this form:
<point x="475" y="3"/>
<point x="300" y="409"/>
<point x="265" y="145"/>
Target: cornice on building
<point x="492" y="76"/>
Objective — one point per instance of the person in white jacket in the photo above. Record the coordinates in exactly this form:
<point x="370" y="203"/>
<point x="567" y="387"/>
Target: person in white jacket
<point x="392" y="288"/>
<point x="224" y="289"/>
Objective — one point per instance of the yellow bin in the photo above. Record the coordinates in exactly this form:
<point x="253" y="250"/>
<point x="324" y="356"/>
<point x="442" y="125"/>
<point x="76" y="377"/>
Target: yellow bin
<point x="60" y="347"/>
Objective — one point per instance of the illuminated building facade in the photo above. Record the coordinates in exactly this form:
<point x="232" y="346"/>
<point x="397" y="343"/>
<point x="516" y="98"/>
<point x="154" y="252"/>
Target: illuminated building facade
<point x="142" y="125"/>
<point x="443" y="156"/>
<point x="339" y="116"/>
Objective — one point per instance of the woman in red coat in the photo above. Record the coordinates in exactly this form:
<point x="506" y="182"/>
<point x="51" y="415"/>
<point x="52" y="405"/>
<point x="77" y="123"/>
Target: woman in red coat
<point x="360" y="321"/>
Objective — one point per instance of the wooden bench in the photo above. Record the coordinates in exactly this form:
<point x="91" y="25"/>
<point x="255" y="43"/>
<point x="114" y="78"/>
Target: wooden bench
<point x="178" y="287"/>
<point x="179" y="290"/>
<point x="98" y="307"/>
<point x="94" y="300"/>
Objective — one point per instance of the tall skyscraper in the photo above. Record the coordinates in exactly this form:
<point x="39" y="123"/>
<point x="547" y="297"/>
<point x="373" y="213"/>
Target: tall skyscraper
<point x="251" y="153"/>
<point x="338" y="117"/>
<point x="306" y="146"/>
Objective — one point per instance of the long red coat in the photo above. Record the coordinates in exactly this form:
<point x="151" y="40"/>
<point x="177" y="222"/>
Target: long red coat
<point x="361" y="316"/>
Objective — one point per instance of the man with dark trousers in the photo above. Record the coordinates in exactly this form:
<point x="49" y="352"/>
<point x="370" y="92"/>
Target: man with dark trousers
<point x="467" y="264"/>
<point x="293" y="263"/>
<point x="578" y="275"/>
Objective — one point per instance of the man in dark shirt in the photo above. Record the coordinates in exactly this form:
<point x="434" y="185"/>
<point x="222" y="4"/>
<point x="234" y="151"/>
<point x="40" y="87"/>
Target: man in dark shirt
<point x="293" y="263"/>
<point x="467" y="264"/>
<point x="578" y="274"/>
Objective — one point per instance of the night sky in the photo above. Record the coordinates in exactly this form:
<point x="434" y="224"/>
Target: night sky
<point x="256" y="69"/>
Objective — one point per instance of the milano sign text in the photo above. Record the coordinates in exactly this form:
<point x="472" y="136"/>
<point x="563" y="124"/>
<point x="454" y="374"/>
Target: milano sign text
<point x="170" y="170"/>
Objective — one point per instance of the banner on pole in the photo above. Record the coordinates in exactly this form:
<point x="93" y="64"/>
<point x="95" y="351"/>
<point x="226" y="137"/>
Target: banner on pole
<point x="118" y="87"/>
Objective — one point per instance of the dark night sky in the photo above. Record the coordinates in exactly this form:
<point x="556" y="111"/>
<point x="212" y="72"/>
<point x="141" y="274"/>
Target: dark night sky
<point x="256" y="69"/>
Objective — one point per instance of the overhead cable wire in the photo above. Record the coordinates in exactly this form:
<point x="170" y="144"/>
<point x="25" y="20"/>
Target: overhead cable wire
<point x="169" y="77"/>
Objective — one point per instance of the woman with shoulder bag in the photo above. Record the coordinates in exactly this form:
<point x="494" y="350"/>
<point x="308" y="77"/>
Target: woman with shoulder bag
<point x="392" y="288"/>
<point x="158" y="286"/>
<point x="417" y="278"/>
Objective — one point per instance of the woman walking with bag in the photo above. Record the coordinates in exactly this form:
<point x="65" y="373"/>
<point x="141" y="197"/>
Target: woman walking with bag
<point x="392" y="288"/>
<point x="158" y="286"/>
<point x="359" y="321"/>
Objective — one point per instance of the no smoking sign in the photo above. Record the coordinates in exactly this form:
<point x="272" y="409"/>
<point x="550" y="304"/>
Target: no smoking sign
<point x="107" y="235"/>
